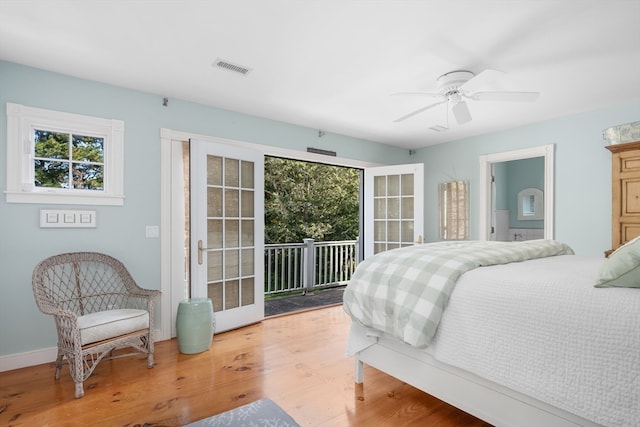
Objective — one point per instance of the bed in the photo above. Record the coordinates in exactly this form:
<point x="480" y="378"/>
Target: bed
<point x="522" y="339"/>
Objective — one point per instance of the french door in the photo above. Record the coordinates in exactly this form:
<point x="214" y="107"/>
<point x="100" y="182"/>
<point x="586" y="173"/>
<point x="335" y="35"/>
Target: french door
<point x="393" y="207"/>
<point x="227" y="239"/>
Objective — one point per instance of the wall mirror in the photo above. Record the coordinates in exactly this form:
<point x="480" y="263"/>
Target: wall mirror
<point x="530" y="204"/>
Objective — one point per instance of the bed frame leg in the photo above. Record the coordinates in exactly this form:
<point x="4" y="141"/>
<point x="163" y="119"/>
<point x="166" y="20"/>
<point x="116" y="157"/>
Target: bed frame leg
<point x="359" y="369"/>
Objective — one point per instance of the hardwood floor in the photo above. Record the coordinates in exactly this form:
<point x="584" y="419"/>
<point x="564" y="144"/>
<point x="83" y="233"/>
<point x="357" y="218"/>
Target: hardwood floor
<point x="298" y="361"/>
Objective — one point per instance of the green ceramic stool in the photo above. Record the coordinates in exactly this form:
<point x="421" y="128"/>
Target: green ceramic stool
<point x="195" y="325"/>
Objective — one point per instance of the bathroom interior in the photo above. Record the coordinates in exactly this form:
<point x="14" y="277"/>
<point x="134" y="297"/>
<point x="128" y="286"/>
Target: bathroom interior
<point x="518" y="212"/>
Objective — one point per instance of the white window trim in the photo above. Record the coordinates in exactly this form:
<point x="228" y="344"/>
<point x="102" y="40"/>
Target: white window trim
<point x="21" y="121"/>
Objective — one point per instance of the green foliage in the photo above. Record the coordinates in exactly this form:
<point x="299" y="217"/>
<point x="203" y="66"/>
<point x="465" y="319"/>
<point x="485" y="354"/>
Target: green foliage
<point x="310" y="200"/>
<point x="55" y="159"/>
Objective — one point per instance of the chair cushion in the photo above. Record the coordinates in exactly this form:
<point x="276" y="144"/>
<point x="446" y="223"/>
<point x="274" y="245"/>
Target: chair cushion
<point x="103" y="325"/>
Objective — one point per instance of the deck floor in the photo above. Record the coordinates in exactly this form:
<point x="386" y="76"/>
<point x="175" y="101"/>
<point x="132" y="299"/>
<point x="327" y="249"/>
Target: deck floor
<point x="293" y="303"/>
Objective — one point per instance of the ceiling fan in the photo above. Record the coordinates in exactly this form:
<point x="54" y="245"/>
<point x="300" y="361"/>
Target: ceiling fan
<point x="455" y="86"/>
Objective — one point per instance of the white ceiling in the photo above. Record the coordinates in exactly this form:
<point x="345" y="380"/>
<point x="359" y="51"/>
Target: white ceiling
<point x="332" y="65"/>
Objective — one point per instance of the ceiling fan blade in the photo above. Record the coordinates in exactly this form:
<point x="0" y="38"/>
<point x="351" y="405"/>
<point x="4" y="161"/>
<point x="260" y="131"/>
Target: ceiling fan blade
<point x="418" y="111"/>
<point x="482" y="79"/>
<point x="461" y="112"/>
<point x="506" y="96"/>
<point x="431" y="94"/>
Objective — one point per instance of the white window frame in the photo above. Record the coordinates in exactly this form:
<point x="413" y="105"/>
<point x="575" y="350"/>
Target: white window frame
<point x="21" y="122"/>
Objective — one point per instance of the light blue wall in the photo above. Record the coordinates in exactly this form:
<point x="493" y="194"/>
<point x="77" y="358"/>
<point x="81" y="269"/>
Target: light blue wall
<point x="582" y="173"/>
<point x="120" y="230"/>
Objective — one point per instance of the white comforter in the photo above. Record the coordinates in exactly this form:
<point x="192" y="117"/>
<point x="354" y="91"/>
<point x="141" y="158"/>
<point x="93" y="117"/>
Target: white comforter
<point x="404" y="292"/>
<point x="541" y="328"/>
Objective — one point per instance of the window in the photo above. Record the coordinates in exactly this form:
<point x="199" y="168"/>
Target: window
<point x="454" y="210"/>
<point x="63" y="158"/>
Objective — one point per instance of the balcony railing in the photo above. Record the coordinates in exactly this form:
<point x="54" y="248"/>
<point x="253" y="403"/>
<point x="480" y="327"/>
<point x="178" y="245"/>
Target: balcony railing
<point x="308" y="265"/>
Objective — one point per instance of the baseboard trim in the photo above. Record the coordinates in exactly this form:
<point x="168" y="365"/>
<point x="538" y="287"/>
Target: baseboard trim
<point x="36" y="357"/>
<point x="30" y="358"/>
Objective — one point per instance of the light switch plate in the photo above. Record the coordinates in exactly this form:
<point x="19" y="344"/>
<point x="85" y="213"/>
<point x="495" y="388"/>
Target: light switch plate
<point x="64" y="218"/>
<point x="152" y="231"/>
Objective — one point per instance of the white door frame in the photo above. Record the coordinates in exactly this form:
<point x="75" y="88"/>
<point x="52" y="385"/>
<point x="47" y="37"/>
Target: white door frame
<point x="486" y="163"/>
<point x="172" y="266"/>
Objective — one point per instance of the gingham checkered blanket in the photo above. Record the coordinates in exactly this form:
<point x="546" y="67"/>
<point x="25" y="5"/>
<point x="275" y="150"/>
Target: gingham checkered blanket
<point x="403" y="292"/>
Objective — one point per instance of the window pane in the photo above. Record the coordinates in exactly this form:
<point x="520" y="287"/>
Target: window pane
<point x="247" y="204"/>
<point x="379" y="186"/>
<point x="393" y="231"/>
<point x="231" y="235"/>
<point x="231" y="294"/>
<point x="214" y="233"/>
<point x="407" y="231"/>
<point x="231" y="173"/>
<point x="214" y="202"/>
<point x="380" y="208"/>
<point x="393" y="208"/>
<point x="246" y="233"/>
<point x="51" y="174"/>
<point x="214" y="266"/>
<point x="247" y="263"/>
<point x="51" y="145"/>
<point x="407" y="184"/>
<point x="379" y="230"/>
<point x="231" y="267"/>
<point x="232" y="203"/>
<point x="87" y="176"/>
<point x="407" y="208"/>
<point x="214" y="291"/>
<point x="247" y="174"/>
<point x="88" y="149"/>
<point x="214" y="170"/>
<point x="393" y="185"/>
<point x="248" y="291"/>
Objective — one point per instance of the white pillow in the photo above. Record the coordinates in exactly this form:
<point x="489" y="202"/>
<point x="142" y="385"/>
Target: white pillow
<point x="622" y="268"/>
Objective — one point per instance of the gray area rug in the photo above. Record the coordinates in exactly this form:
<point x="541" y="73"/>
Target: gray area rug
<point x="263" y="412"/>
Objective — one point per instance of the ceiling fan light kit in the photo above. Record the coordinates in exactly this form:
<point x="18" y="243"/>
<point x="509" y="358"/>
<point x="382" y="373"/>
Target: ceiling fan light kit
<point x="454" y="86"/>
<point x="461" y="112"/>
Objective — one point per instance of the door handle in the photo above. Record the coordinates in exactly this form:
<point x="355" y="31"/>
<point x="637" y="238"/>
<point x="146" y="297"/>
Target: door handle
<point x="200" y="251"/>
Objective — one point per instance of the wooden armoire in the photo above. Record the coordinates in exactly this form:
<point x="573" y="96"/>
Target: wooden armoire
<point x="625" y="192"/>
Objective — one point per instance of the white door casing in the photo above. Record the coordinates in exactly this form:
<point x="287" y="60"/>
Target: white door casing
<point x="485" y="194"/>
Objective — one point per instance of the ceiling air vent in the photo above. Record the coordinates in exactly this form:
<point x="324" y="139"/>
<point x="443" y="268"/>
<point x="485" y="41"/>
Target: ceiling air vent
<point x="235" y="68"/>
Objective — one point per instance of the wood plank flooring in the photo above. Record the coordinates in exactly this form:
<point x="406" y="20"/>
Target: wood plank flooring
<point x="298" y="361"/>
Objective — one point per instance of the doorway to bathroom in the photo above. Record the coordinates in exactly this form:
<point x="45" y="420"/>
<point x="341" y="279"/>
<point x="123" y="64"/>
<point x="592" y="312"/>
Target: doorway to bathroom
<point x="487" y="179"/>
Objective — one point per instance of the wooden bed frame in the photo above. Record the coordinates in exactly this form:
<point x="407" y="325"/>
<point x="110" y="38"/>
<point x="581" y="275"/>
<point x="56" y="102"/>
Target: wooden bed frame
<point x="484" y="399"/>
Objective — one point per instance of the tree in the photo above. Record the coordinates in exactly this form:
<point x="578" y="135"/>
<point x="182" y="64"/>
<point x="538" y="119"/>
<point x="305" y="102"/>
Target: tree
<point x="310" y="200"/>
<point x="55" y="159"/>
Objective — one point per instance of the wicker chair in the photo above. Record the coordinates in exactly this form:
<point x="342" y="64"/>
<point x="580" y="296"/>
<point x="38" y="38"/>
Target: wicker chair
<point x="97" y="308"/>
